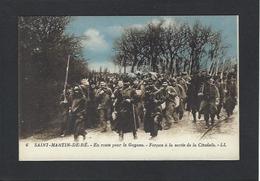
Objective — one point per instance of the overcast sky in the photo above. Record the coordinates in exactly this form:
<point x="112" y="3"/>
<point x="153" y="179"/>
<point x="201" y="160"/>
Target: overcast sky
<point x="103" y="30"/>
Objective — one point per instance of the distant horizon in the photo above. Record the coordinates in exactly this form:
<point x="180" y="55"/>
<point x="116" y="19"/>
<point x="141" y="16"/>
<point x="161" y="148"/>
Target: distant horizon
<point x="102" y="31"/>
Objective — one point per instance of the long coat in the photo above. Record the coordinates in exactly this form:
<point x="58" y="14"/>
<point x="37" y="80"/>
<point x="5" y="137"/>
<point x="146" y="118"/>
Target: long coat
<point x="78" y="114"/>
<point x="210" y="95"/>
<point x="126" y="117"/>
<point x="153" y="110"/>
<point x="230" y="97"/>
<point x="193" y="100"/>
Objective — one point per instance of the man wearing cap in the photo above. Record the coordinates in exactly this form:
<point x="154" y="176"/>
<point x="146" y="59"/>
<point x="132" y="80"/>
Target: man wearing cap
<point x="103" y="97"/>
<point x="139" y="88"/>
<point x="84" y="89"/>
<point x="168" y="94"/>
<point x="181" y="87"/>
<point x="210" y="100"/>
<point x="181" y="95"/>
<point x="153" y="111"/>
<point x="78" y="113"/>
<point x="92" y="117"/>
<point x="193" y="100"/>
<point x="126" y="116"/>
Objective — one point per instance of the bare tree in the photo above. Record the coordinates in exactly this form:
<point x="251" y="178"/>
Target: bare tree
<point x="170" y="49"/>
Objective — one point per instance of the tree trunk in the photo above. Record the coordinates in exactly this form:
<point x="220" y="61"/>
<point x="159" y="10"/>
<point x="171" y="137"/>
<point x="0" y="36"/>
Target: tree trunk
<point x="171" y="66"/>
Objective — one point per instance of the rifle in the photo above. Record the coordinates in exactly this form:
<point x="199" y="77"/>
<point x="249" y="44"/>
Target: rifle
<point x="217" y="67"/>
<point x="223" y="68"/>
<point x="133" y="107"/>
<point x="66" y="80"/>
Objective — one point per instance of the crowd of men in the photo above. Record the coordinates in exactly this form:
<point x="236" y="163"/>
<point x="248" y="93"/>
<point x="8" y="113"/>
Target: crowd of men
<point x="152" y="100"/>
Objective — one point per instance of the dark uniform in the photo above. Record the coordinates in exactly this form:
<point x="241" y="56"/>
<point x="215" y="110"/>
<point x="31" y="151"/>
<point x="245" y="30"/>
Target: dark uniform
<point x="193" y="100"/>
<point x="139" y="105"/>
<point x="92" y="117"/>
<point x="126" y="118"/>
<point x="153" y="112"/>
<point x="181" y="95"/>
<point x="78" y="112"/>
<point x="230" y="96"/>
<point x="210" y="99"/>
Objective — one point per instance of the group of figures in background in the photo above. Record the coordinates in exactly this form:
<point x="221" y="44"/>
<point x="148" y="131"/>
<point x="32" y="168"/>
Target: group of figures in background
<point x="152" y="100"/>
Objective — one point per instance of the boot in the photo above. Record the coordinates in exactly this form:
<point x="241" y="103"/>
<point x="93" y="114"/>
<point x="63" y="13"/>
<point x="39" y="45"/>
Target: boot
<point x="121" y="136"/>
<point x="199" y="116"/>
<point x="76" y="138"/>
<point x="135" y="136"/>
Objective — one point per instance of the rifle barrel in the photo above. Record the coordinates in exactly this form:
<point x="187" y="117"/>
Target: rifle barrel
<point x="67" y="73"/>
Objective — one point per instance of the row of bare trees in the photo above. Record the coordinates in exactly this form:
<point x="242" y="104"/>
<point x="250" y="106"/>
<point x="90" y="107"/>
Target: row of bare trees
<point x="170" y="49"/>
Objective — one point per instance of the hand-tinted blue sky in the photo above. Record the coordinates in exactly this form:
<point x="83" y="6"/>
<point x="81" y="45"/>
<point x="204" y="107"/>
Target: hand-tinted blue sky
<point x="103" y="30"/>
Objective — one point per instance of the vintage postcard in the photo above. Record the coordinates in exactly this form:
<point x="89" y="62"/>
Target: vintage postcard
<point x="128" y="88"/>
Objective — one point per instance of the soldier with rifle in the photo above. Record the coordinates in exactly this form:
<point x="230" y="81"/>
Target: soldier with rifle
<point x="78" y="112"/>
<point x="66" y="99"/>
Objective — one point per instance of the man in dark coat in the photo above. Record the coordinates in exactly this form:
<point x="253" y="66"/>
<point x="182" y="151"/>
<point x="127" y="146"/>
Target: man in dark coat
<point x="230" y="96"/>
<point x="92" y="116"/>
<point x="153" y="111"/>
<point x="210" y="100"/>
<point x="78" y="113"/>
<point x="139" y="88"/>
<point x="126" y="118"/>
<point x="193" y="100"/>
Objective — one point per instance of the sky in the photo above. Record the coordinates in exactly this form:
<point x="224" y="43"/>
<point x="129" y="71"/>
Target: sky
<point x="103" y="30"/>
